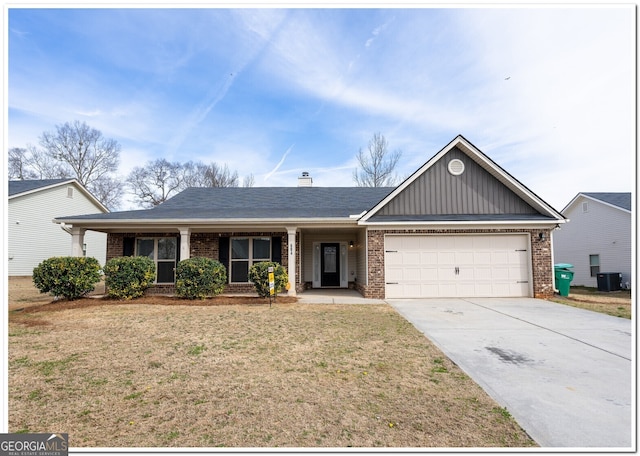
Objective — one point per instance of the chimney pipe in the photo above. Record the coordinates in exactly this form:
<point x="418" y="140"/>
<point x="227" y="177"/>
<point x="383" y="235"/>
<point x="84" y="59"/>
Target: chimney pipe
<point x="305" y="180"/>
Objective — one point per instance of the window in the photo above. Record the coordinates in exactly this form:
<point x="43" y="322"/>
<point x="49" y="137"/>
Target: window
<point x="245" y="252"/>
<point x="163" y="253"/>
<point x="594" y="264"/>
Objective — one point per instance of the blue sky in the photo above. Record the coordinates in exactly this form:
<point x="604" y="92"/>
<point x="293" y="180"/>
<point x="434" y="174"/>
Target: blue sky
<point x="547" y="92"/>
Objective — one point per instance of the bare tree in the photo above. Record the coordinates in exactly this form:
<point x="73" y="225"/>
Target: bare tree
<point x="73" y="150"/>
<point x="156" y="182"/>
<point x="44" y="166"/>
<point x="18" y="164"/>
<point x="377" y="164"/>
<point x="248" y="181"/>
<point x="83" y="149"/>
<point x="198" y="174"/>
<point x="108" y="191"/>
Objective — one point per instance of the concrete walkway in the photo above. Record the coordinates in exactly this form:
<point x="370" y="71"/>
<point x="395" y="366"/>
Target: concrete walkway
<point x="335" y="296"/>
<point x="565" y="374"/>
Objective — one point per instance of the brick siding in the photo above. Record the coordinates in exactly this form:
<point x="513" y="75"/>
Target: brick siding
<point x="202" y="245"/>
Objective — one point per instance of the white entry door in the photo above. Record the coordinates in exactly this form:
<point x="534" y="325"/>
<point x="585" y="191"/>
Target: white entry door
<point x="429" y="266"/>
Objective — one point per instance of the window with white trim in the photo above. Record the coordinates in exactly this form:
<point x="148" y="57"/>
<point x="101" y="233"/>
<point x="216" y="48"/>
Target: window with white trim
<point x="594" y="264"/>
<point x="245" y="252"/>
<point x="163" y="253"/>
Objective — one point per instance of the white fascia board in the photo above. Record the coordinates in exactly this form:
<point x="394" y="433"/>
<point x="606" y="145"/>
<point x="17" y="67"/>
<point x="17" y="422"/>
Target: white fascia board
<point x="465" y="224"/>
<point x="170" y="224"/>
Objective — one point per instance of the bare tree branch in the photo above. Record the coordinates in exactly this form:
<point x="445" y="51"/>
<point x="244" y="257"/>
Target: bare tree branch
<point x="156" y="182"/>
<point x="376" y="166"/>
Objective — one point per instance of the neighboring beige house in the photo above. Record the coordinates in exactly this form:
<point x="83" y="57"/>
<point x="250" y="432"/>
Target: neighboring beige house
<point x="32" y="235"/>
<point x="460" y="226"/>
<point x="598" y="239"/>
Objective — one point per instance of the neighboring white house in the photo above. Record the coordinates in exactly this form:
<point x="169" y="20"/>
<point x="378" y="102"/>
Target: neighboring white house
<point x="32" y="235"/>
<point x="598" y="237"/>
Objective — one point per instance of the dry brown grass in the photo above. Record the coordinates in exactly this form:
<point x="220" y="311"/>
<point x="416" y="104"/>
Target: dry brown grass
<point x="249" y="376"/>
<point x="615" y="303"/>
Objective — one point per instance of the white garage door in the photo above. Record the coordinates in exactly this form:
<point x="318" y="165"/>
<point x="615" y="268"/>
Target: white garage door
<point x="424" y="266"/>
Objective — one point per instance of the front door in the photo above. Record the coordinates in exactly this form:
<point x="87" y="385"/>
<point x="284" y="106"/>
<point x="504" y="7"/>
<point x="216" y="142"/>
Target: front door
<point x="330" y="265"/>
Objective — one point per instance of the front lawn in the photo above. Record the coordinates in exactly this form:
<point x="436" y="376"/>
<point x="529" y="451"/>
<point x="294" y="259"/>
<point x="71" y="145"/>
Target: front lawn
<point x="289" y="375"/>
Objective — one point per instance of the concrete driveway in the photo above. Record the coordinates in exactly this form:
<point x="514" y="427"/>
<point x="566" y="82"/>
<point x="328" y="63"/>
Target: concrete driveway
<point x="564" y="374"/>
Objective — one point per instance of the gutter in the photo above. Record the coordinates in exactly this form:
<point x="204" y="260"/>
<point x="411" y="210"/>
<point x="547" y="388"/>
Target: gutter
<point x="65" y="227"/>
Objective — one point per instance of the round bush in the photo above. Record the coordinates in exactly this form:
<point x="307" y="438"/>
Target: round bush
<point x="200" y="277"/>
<point x="67" y="277"/>
<point x="128" y="277"/>
<point x="259" y="275"/>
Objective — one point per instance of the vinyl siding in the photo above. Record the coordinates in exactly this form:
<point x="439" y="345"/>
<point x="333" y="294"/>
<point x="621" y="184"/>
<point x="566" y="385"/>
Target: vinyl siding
<point x="604" y="231"/>
<point x="438" y="192"/>
<point x="32" y="235"/>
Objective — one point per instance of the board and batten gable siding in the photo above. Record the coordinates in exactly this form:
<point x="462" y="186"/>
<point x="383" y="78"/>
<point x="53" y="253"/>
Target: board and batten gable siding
<point x="438" y="192"/>
<point x="601" y="230"/>
<point x="32" y="235"/>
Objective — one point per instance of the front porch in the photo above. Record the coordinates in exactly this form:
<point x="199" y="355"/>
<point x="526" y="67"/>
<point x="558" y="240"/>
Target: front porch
<point x="315" y="258"/>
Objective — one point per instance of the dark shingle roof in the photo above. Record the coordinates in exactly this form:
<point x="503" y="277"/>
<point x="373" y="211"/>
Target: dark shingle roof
<point x="622" y="200"/>
<point x="256" y="203"/>
<point x="22" y="186"/>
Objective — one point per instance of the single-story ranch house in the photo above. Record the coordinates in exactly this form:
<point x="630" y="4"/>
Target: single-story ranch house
<point x="460" y="226"/>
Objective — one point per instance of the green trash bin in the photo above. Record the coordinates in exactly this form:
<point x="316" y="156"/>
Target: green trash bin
<point x="563" y="277"/>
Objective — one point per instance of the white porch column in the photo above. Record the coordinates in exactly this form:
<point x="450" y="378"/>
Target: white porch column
<point x="77" y="241"/>
<point x="291" y="249"/>
<point x="185" y="243"/>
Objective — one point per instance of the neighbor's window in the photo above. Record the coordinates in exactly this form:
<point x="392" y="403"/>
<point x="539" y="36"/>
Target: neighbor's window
<point x="163" y="252"/>
<point x="594" y="264"/>
<point x="245" y="252"/>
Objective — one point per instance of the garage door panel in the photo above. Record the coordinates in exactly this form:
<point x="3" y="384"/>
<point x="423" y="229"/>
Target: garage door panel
<point x="411" y="258"/>
<point x="446" y="258"/>
<point x="483" y="273"/>
<point x="428" y="273"/>
<point x="457" y="265"/>
<point x="482" y="257"/>
<point x="464" y="258"/>
<point x="428" y="257"/>
<point x="412" y="274"/>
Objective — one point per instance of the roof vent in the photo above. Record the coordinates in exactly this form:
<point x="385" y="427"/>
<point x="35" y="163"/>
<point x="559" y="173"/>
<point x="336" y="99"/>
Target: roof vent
<point x="456" y="167"/>
<point x="305" y="180"/>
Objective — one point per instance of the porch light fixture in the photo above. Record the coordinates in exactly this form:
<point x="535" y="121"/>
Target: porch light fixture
<point x="541" y="236"/>
<point x="350" y="244"/>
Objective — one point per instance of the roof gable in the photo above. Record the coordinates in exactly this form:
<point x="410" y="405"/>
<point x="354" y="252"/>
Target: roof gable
<point x="617" y="200"/>
<point x="19" y="188"/>
<point x="481" y="191"/>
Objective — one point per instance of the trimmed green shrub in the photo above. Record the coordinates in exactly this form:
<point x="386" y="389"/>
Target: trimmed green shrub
<point x="67" y="277"/>
<point x="259" y="275"/>
<point x="128" y="277"/>
<point x="199" y="277"/>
